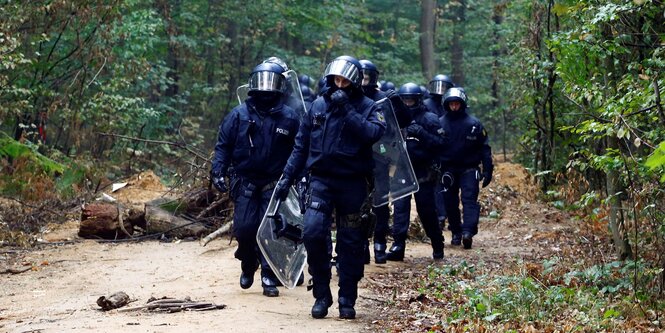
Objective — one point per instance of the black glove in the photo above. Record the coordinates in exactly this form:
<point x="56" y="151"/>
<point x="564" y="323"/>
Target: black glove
<point x="390" y="94"/>
<point x="282" y="188"/>
<point x="414" y="130"/>
<point x="487" y="178"/>
<point x="339" y="97"/>
<point x="394" y="98"/>
<point x="219" y="182"/>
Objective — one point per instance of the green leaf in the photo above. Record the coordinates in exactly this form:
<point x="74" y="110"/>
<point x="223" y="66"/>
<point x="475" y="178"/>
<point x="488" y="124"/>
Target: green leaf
<point x="657" y="158"/>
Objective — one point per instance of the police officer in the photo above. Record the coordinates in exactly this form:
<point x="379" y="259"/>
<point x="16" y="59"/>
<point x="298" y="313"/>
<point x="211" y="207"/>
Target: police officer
<point x="424" y="141"/>
<point x="255" y="141"/>
<point x="334" y="144"/>
<point x="371" y="89"/>
<point x="438" y="86"/>
<point x="467" y="148"/>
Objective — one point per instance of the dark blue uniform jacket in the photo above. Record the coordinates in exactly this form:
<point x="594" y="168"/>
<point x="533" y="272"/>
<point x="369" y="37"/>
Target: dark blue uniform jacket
<point x="468" y="144"/>
<point x="330" y="144"/>
<point x="257" y="145"/>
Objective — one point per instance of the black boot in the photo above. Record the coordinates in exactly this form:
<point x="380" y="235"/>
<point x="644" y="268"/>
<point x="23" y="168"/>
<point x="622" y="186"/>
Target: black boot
<point x="379" y="253"/>
<point x="437" y="250"/>
<point x="366" y="253"/>
<point x="246" y="279"/>
<point x="467" y="240"/>
<point x="247" y="275"/>
<point x="320" y="308"/>
<point x="457" y="239"/>
<point x="396" y="253"/>
<point x="346" y="310"/>
<point x="269" y="287"/>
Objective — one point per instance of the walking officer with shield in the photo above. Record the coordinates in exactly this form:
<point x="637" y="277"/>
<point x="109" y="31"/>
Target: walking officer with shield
<point x="253" y="145"/>
<point x="424" y="140"/>
<point x="334" y="144"/>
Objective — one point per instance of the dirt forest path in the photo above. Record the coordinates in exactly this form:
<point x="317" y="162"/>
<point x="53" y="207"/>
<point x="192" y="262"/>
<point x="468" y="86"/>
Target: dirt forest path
<point x="59" y="294"/>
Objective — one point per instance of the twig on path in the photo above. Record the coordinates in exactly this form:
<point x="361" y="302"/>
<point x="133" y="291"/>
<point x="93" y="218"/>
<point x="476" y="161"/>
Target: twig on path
<point x="15" y="270"/>
<point x="175" y="305"/>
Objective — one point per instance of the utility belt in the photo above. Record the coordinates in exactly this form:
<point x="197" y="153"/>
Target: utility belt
<point x="250" y="189"/>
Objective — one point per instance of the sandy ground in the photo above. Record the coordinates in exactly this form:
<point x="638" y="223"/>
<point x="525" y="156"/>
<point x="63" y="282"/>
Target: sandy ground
<point x="59" y="293"/>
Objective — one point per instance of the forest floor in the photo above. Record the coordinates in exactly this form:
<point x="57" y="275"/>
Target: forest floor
<point x="59" y="291"/>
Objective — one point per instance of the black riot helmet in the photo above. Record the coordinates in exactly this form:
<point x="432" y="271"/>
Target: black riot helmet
<point x="411" y="94"/>
<point x="390" y="86"/>
<point x="306" y="93"/>
<point x="347" y="67"/>
<point x="267" y="77"/>
<point x="305" y="80"/>
<point x="278" y="61"/>
<point x="370" y="73"/>
<point x="454" y="94"/>
<point x="439" y="84"/>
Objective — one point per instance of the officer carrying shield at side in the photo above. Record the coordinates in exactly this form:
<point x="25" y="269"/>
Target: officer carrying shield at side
<point x="334" y="144"/>
<point x="255" y="141"/>
<point x="371" y="89"/>
<point x="424" y="140"/>
<point x="467" y="148"/>
<point x="437" y="88"/>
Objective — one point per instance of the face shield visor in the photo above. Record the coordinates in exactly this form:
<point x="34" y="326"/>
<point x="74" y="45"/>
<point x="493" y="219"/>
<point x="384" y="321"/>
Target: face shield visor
<point x="266" y="81"/>
<point x="344" y="69"/>
<point x="438" y="87"/>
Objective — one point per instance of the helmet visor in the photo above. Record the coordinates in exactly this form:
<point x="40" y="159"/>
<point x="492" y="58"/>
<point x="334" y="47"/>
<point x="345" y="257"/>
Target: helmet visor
<point x="344" y="69"/>
<point x="266" y="81"/>
<point x="438" y="87"/>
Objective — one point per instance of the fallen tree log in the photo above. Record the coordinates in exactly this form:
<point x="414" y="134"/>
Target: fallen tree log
<point x="159" y="220"/>
<point x="104" y="220"/>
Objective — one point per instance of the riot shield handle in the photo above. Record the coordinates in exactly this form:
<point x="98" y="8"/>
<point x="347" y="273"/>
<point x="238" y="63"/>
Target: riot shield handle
<point x="284" y="229"/>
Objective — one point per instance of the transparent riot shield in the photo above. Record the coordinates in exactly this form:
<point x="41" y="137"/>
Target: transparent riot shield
<point x="394" y="177"/>
<point x="293" y="98"/>
<point x="280" y="239"/>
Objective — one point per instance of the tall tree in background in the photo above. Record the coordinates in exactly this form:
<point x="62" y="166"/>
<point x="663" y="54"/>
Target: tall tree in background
<point x="458" y="12"/>
<point x="427" y="29"/>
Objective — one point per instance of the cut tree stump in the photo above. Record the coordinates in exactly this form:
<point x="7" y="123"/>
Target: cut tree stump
<point x="101" y="220"/>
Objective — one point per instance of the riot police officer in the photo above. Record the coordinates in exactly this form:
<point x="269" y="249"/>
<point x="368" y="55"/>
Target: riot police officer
<point x="460" y="166"/>
<point x="424" y="141"/>
<point x="438" y="86"/>
<point x="334" y="144"/>
<point x="371" y="89"/>
<point x="255" y="141"/>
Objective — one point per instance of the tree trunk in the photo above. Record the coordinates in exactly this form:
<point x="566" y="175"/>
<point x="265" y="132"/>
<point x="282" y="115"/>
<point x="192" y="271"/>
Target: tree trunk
<point x="456" y="45"/>
<point x="497" y="53"/>
<point x="616" y="221"/>
<point x="427" y="23"/>
<point x="169" y="12"/>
